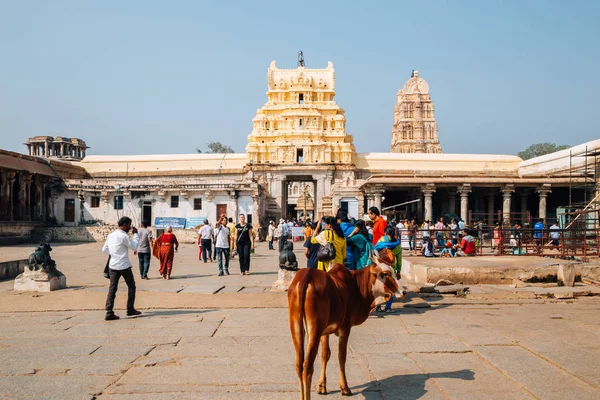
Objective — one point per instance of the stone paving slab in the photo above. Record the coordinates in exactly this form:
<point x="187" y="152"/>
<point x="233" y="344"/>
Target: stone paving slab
<point x="455" y="375"/>
<point x="52" y="387"/>
<point x="544" y="380"/>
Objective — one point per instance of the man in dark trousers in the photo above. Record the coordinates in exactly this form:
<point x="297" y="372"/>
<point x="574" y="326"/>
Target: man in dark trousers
<point x="116" y="246"/>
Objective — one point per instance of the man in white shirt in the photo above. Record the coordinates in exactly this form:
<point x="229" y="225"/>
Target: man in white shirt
<point x="116" y="246"/>
<point x="206" y="234"/>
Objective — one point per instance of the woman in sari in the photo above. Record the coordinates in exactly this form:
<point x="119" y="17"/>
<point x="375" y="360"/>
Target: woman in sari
<point x="332" y="233"/>
<point x="360" y="242"/>
<point x="164" y="248"/>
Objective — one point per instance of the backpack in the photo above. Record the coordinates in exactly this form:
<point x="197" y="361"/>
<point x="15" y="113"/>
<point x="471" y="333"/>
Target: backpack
<point x="327" y="252"/>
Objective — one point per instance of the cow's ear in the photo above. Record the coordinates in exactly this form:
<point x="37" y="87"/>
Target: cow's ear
<point x="376" y="270"/>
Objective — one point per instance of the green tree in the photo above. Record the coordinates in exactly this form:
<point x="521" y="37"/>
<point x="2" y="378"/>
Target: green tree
<point x="216" y="148"/>
<point x="539" y="149"/>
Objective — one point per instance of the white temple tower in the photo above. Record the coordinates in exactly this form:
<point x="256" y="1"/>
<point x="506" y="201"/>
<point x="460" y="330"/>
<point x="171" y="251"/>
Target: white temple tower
<point x="300" y="123"/>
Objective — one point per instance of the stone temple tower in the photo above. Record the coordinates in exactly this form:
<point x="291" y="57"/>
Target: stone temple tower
<point x="414" y="129"/>
<point x="300" y="123"/>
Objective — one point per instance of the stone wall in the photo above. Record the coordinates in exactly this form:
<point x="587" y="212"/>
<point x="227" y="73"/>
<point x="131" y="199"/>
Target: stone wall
<point x="10" y="269"/>
<point x="98" y="233"/>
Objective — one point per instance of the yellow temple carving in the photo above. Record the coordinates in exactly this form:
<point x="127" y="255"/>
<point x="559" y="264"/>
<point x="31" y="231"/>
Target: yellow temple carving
<point x="300" y="123"/>
<point x="415" y="129"/>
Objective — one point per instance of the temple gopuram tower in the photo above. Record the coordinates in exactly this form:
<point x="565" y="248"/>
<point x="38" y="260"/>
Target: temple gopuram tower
<point x="300" y="123"/>
<point x="414" y="129"/>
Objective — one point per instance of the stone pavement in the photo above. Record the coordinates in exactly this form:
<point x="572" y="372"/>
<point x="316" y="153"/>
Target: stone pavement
<point x="202" y="345"/>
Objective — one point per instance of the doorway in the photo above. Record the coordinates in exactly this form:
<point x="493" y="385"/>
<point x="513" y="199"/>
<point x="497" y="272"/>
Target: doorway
<point x="69" y="210"/>
<point x="147" y="212"/>
<point x="221" y="210"/>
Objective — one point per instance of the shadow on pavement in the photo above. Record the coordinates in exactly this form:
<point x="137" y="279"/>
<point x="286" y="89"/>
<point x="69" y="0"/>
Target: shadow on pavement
<point x="157" y="313"/>
<point x="411" y="386"/>
<point x="189" y="276"/>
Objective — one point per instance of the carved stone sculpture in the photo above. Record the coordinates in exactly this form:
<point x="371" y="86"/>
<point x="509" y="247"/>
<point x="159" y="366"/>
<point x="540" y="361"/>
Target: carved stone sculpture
<point x="41" y="274"/>
<point x="287" y="258"/>
<point x="288" y="265"/>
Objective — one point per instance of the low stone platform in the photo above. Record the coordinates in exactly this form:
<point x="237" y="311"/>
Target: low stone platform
<point x="487" y="269"/>
<point x="9" y="269"/>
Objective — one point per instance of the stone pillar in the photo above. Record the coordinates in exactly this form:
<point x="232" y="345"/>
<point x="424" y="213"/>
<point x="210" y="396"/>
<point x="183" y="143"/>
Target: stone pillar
<point x="46" y="149"/>
<point x="52" y="207"/>
<point x="507" y="191"/>
<point x="370" y="200"/>
<point x="377" y="199"/>
<point x="543" y="192"/>
<point x="81" y="197"/>
<point x="3" y="194"/>
<point x="452" y="203"/>
<point x="490" y="208"/>
<point x="524" y="195"/>
<point x="233" y="195"/>
<point x="10" y="179"/>
<point x="428" y="192"/>
<point x="25" y="197"/>
<point x="255" y="217"/>
<point x="464" y="191"/>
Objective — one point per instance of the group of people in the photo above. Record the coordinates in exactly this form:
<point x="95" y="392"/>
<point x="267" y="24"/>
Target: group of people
<point x="352" y="242"/>
<point x="118" y="243"/>
<point x="226" y="240"/>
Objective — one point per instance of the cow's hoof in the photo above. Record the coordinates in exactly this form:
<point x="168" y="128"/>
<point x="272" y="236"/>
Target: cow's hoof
<point x="346" y="392"/>
<point x="322" y="389"/>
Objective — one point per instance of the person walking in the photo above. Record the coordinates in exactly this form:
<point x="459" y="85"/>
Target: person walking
<point x="222" y="235"/>
<point x="244" y="239"/>
<point x="271" y="234"/>
<point x="165" y="247"/>
<point x="144" y="250"/>
<point x="116" y="246"/>
<point x="206" y="234"/>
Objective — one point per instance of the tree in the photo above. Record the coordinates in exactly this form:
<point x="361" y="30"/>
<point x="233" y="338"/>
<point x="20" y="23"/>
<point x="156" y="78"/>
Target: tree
<point x="539" y="149"/>
<point x="216" y="148"/>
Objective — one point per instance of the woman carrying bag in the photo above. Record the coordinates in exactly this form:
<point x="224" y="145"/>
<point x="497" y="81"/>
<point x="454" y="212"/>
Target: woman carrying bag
<point x="333" y="244"/>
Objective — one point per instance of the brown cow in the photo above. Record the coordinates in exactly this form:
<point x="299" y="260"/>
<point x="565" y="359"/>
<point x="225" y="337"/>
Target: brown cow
<point x="333" y="302"/>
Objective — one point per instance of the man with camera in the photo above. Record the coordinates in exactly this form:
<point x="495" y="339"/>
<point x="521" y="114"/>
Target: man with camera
<point x="116" y="246"/>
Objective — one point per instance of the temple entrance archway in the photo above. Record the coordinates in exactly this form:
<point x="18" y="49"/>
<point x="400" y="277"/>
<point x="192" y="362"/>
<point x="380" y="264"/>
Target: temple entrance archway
<point x="300" y="198"/>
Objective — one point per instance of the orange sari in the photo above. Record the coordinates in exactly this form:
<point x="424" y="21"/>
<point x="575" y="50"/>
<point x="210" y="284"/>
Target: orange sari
<point x="164" y="250"/>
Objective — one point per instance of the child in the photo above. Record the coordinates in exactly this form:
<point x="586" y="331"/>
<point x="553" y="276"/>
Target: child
<point x="448" y="251"/>
<point x="389" y="241"/>
<point x="428" y="249"/>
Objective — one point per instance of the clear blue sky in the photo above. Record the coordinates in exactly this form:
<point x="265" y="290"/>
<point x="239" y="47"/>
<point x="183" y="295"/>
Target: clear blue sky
<point x="149" y="77"/>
